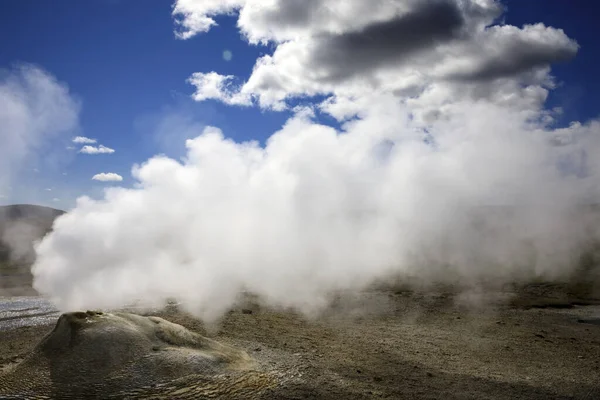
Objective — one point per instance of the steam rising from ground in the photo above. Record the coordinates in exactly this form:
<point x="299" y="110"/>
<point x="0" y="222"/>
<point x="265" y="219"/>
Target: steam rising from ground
<point x="483" y="194"/>
<point x="36" y="110"/>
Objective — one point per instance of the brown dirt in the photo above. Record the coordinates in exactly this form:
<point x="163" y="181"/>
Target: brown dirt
<point x="407" y="345"/>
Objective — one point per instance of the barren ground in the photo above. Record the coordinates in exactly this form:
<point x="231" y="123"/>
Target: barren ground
<point x="398" y="344"/>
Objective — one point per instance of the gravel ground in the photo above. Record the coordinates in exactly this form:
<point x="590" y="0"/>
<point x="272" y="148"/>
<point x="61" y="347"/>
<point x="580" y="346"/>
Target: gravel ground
<point x="408" y="345"/>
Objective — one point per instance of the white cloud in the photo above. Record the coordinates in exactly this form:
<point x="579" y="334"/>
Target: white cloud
<point x="35" y="111"/>
<point x="194" y="16"/>
<point x="96" y="150"/>
<point x="107" y="177"/>
<point x="352" y="48"/>
<point x="212" y="86"/>
<point x="48" y="189"/>
<point x="55" y="199"/>
<point x="83" y="140"/>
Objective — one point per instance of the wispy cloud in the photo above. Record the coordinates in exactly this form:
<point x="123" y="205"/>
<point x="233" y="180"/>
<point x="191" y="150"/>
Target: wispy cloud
<point x="107" y="177"/>
<point x="48" y="189"/>
<point x="83" y="140"/>
<point x="96" y="150"/>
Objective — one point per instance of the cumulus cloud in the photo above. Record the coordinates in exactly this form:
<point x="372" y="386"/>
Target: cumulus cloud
<point x="193" y="17"/>
<point x="528" y="48"/>
<point x="348" y="48"/>
<point x="107" y="177"/>
<point x="35" y="110"/>
<point x="212" y="86"/>
<point x="83" y="140"/>
<point x="96" y="150"/>
<point x="390" y="41"/>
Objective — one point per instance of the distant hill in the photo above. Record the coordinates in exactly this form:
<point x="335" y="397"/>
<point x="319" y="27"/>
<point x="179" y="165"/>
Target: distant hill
<point x="20" y="226"/>
<point x="28" y="211"/>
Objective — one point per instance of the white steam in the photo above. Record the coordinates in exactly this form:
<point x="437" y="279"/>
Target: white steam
<point x="35" y="111"/>
<point x="317" y="210"/>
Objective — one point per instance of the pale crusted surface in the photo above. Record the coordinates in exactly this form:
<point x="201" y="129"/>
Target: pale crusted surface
<point x="124" y="355"/>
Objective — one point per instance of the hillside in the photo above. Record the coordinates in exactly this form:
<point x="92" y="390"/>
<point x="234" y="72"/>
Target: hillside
<point x="20" y="226"/>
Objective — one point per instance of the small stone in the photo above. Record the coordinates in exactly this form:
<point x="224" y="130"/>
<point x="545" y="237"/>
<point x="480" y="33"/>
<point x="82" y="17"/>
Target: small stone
<point x="246" y="311"/>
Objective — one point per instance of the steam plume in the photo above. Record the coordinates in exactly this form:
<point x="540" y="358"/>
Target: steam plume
<point x="486" y="193"/>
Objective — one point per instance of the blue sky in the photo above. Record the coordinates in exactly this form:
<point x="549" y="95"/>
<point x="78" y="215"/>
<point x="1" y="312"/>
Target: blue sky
<point x="579" y="93"/>
<point x="122" y="61"/>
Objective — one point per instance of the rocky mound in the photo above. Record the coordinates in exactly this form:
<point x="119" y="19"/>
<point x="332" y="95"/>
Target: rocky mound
<point x="121" y="355"/>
